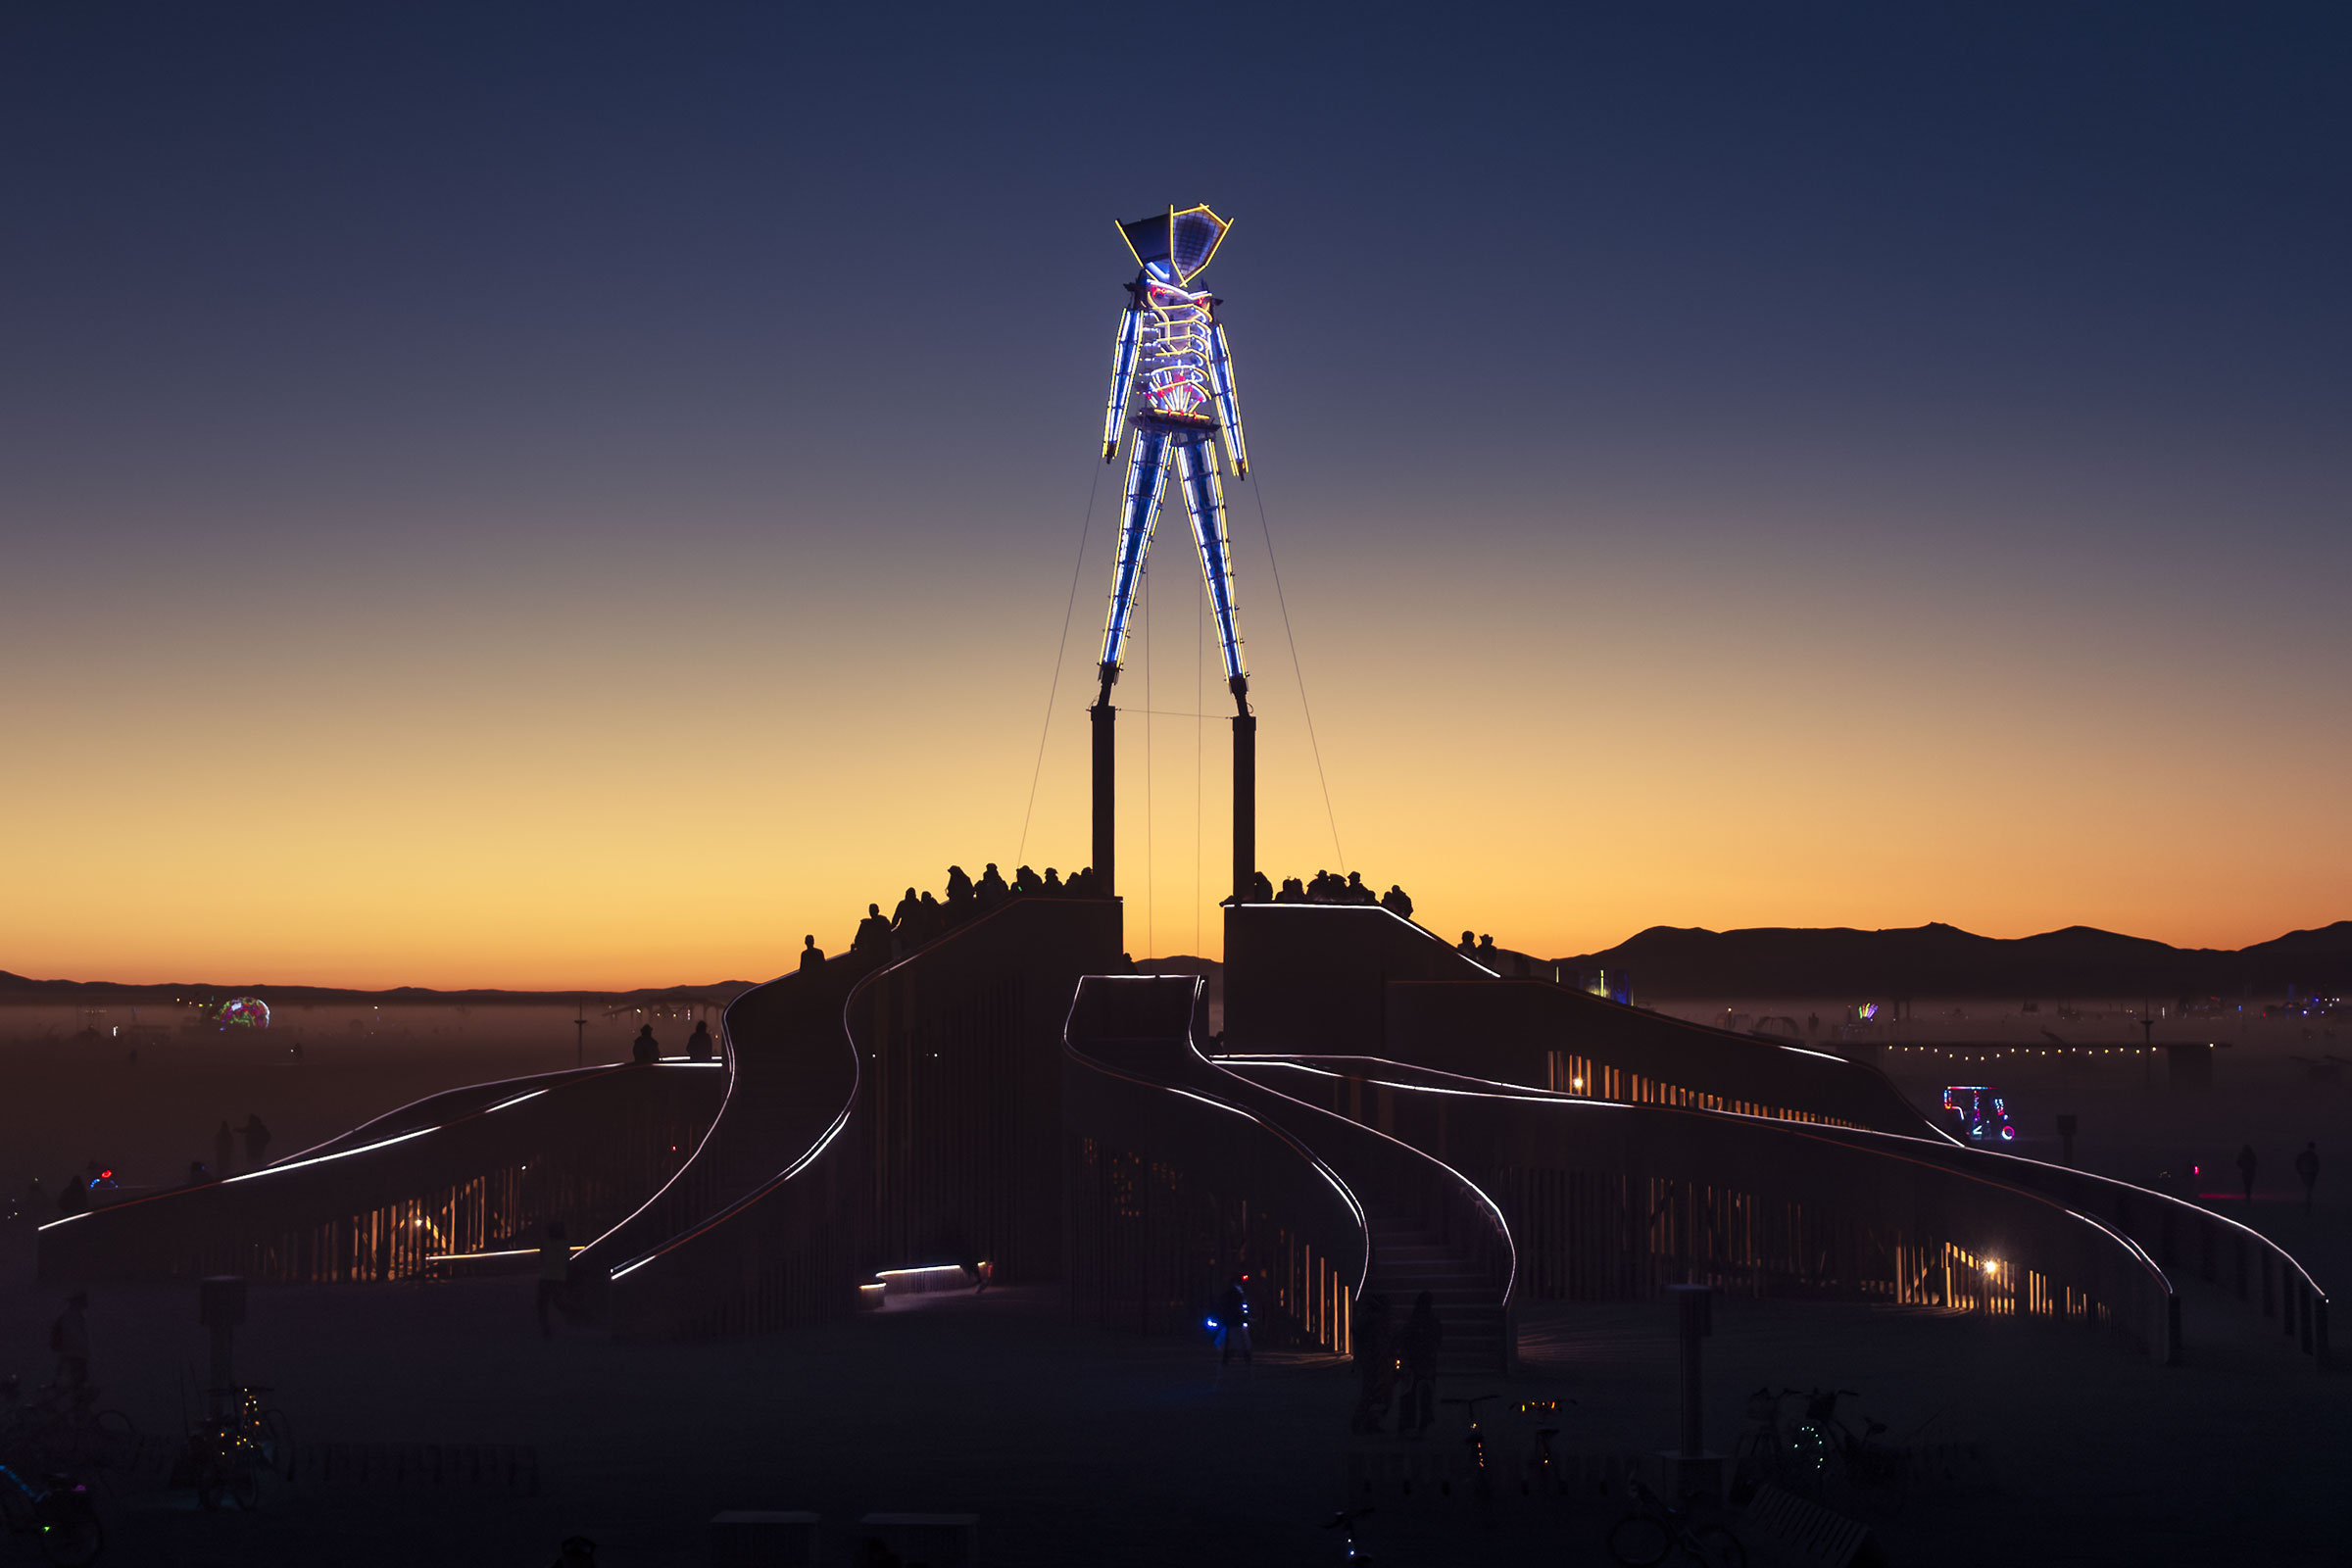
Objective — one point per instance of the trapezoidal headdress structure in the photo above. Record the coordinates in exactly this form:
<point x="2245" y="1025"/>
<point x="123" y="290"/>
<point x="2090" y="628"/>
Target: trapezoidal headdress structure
<point x="1171" y="384"/>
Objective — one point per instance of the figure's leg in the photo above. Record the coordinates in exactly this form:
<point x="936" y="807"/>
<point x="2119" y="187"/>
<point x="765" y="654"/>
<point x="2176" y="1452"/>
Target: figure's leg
<point x="1146" y="477"/>
<point x="1204" y="498"/>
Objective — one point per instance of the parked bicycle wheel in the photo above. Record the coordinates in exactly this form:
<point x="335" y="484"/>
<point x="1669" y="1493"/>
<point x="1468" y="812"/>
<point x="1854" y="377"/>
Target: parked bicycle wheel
<point x="1638" y="1540"/>
<point x="72" y="1541"/>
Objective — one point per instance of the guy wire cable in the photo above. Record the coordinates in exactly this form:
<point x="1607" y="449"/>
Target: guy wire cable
<point x="1061" y="649"/>
<point x="1297" y="670"/>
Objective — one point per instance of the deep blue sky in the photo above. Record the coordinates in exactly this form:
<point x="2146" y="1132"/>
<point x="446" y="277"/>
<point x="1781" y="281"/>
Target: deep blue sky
<point x="1811" y="373"/>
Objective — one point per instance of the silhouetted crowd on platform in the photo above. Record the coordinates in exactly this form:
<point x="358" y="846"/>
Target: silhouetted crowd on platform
<point x="921" y="916"/>
<point x="1326" y="887"/>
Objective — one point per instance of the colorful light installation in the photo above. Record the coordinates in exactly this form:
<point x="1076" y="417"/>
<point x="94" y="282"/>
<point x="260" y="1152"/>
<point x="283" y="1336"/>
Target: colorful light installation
<point x="1171" y="349"/>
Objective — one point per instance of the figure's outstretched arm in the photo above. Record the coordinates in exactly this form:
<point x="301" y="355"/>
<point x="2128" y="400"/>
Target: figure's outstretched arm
<point x="1122" y="379"/>
<point x="1229" y="409"/>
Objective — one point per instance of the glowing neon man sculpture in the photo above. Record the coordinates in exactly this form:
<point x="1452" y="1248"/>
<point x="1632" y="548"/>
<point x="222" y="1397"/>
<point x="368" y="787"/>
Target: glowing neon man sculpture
<point x="1172" y="362"/>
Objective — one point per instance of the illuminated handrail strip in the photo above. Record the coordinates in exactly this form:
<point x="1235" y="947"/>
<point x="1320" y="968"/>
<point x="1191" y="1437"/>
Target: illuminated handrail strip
<point x="1813" y="1133"/>
<point x="1511" y="1279"/>
<point x="1286" y="1139"/>
<point x="321" y="1160"/>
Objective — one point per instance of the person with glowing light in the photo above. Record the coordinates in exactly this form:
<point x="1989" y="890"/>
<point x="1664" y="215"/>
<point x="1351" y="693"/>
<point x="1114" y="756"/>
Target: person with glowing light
<point x="1172" y="365"/>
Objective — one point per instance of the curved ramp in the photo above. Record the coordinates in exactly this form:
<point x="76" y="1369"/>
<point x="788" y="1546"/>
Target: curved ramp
<point x="1610" y="1201"/>
<point x="879" y="1112"/>
<point x="1307" y="979"/>
<point x="464" y="1177"/>
<point x="1184" y="1173"/>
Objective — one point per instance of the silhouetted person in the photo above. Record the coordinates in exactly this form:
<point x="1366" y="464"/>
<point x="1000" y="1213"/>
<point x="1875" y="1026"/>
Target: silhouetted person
<point x="1398" y="901"/>
<point x="1468" y="945"/>
<point x="645" y="1048"/>
<point x="1488" y="953"/>
<point x="224" y="1148"/>
<point x="1355" y="892"/>
<point x="1024" y="880"/>
<point x="873" y="932"/>
<point x="904" y="917"/>
<point x="257" y="1139"/>
<point x="576" y="1553"/>
<point x="69" y="1342"/>
<point x="1375" y="1363"/>
<point x="1081" y="883"/>
<point x="959" y="893"/>
<point x="698" y="1044"/>
<point x="1417" y="1347"/>
<point x="2246" y="1162"/>
<point x="72" y="1198"/>
<point x="991" y="890"/>
<point x="1261" y="889"/>
<point x="1052" y="887"/>
<point x="930" y="920"/>
<point x="554" y="1273"/>
<point x="1293" y="891"/>
<point x="812" y="956"/>
<point x="2307" y="1167"/>
<point x="1233" y="1322"/>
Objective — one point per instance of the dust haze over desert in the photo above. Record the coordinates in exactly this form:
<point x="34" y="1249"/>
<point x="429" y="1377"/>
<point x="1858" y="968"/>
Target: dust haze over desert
<point x="1704" y="910"/>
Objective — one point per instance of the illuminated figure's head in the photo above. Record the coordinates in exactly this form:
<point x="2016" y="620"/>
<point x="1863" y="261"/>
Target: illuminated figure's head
<point x="1174" y="246"/>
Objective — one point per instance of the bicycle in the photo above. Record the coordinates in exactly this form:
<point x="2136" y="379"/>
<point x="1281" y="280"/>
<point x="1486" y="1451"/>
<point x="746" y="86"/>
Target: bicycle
<point x="1656" y="1527"/>
<point x="1544" y="1469"/>
<point x="61" y="1428"/>
<point x="228" y="1455"/>
<point x="1345" y="1522"/>
<point x="1482" y="1482"/>
<point x="58" y="1511"/>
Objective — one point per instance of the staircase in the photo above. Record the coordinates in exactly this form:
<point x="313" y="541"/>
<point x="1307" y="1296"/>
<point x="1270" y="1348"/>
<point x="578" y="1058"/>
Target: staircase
<point x="1407" y="1261"/>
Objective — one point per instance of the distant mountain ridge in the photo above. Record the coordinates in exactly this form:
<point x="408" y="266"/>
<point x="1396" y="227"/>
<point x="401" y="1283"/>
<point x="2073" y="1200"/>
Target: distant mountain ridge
<point x="1943" y="960"/>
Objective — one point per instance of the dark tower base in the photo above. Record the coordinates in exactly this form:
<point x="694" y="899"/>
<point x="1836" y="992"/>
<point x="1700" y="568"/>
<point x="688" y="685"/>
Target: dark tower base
<point x="1106" y="816"/>
<point x="1244" y="804"/>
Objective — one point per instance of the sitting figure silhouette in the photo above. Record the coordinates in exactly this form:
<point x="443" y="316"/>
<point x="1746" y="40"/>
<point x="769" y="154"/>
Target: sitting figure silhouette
<point x="812" y="956"/>
<point x="1398" y="901"/>
<point x="1053" y="885"/>
<point x="992" y="890"/>
<point x="872" y="932"/>
<point x="1468" y="945"/>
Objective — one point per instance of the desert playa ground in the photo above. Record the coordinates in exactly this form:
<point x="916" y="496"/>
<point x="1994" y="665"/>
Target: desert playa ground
<point x="1073" y="1444"/>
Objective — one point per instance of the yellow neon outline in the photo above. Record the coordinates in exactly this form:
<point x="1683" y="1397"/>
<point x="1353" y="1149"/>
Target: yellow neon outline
<point x="1224" y="227"/>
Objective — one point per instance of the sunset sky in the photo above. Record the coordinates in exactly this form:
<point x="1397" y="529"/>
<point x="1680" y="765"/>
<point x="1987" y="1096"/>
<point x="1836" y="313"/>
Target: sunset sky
<point x="579" y="496"/>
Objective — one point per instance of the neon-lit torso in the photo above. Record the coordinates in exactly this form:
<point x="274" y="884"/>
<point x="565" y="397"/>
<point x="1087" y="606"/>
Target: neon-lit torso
<point x="1173" y="350"/>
